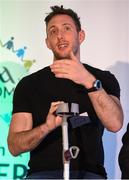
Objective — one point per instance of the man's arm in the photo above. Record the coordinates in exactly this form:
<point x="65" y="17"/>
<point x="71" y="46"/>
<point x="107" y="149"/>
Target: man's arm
<point x="107" y="107"/>
<point x="23" y="138"/>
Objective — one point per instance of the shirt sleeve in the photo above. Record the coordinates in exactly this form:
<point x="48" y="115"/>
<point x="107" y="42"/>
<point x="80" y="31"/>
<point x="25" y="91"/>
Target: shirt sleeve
<point x="111" y="84"/>
<point x="21" y="98"/>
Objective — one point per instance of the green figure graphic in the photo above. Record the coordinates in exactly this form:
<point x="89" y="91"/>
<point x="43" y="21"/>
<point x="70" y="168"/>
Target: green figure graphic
<point x="28" y="64"/>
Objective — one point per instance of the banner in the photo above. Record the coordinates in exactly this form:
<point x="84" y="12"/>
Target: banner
<point x="13" y="66"/>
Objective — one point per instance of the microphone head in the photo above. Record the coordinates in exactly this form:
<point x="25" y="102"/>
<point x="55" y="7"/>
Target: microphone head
<point x="75" y="108"/>
<point x="68" y="109"/>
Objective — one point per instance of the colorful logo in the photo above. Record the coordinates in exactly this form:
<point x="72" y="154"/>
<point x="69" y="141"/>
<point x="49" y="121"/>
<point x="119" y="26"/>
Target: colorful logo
<point x="19" y="52"/>
<point x="13" y="67"/>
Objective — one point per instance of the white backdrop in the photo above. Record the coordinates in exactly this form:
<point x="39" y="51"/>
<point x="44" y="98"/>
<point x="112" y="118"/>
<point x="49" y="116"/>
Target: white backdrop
<point x="106" y="23"/>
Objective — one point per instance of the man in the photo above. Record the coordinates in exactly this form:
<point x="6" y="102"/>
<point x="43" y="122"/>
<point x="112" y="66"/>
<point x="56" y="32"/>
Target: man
<point x="124" y="155"/>
<point x="36" y="128"/>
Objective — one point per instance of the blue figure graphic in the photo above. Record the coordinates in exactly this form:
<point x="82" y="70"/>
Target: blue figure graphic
<point x="9" y="44"/>
<point x="21" y="52"/>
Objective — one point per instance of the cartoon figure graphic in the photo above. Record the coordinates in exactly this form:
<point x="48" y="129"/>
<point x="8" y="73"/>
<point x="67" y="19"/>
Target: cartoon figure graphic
<point x="28" y="63"/>
<point x="21" y="52"/>
<point x="9" y="44"/>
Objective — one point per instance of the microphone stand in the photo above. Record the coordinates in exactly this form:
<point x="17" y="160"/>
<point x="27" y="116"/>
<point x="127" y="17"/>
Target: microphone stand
<point x="66" y="161"/>
<point x="64" y="112"/>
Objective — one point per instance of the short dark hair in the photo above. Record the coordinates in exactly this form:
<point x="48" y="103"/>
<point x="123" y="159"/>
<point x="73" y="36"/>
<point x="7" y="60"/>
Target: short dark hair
<point x="56" y="10"/>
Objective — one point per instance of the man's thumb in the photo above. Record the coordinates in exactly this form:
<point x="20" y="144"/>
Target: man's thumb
<point x="72" y="56"/>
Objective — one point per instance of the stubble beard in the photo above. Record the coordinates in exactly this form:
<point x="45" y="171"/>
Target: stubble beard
<point x="57" y="56"/>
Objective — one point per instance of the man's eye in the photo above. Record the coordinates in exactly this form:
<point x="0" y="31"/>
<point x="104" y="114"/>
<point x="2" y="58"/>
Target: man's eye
<point x="52" y="32"/>
<point x="67" y="28"/>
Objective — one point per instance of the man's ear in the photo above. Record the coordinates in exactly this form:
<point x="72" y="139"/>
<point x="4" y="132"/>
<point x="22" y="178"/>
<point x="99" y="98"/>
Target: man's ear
<point x="47" y="43"/>
<point x="81" y="36"/>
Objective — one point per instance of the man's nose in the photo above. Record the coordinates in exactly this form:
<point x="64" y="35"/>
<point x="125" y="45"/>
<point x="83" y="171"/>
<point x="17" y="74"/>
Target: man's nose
<point x="60" y="34"/>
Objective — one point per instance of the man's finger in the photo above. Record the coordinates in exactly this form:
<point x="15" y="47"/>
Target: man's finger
<point x="72" y="56"/>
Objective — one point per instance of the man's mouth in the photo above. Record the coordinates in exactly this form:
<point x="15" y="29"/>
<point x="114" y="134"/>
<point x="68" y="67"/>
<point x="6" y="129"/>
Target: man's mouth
<point x="62" y="46"/>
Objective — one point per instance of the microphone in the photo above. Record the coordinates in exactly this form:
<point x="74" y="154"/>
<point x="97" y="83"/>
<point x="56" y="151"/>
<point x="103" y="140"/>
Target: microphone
<point x="66" y="110"/>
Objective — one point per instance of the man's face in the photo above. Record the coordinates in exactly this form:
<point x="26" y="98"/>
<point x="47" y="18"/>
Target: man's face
<point x="62" y="36"/>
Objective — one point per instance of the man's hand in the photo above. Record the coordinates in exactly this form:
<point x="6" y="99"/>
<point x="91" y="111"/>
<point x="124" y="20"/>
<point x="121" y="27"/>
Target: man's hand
<point x="72" y="69"/>
<point x="52" y="120"/>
